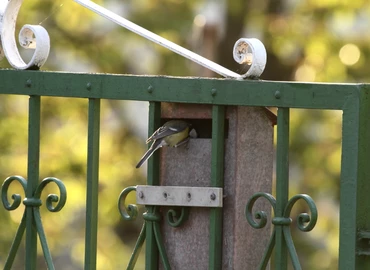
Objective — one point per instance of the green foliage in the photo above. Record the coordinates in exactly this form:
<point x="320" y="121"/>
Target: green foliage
<point x="316" y="40"/>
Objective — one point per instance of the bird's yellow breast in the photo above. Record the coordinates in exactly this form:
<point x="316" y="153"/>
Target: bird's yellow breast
<point x="174" y="139"/>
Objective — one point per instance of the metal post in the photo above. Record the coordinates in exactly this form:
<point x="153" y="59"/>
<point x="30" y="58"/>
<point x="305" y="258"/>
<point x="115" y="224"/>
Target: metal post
<point x="92" y="184"/>
<point x="363" y="186"/>
<point x="282" y="184"/>
<point x="32" y="178"/>
<point x="151" y="252"/>
<point x="354" y="237"/>
<point x="217" y="180"/>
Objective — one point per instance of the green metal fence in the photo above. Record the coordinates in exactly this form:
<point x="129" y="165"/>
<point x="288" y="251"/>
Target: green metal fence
<point x="352" y="99"/>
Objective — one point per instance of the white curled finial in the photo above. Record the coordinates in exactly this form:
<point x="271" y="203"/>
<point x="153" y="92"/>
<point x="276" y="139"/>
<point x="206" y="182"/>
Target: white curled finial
<point x="252" y="52"/>
<point x="30" y="37"/>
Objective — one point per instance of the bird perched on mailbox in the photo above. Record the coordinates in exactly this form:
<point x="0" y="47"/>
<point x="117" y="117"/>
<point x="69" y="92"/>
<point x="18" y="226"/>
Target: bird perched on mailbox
<point x="173" y="133"/>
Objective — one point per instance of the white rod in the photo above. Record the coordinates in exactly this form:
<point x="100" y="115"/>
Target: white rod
<point x="159" y="40"/>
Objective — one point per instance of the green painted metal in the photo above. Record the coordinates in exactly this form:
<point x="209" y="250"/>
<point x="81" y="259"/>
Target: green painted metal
<point x="282" y="179"/>
<point x="44" y="244"/>
<point x="151" y="250"/>
<point x="33" y="178"/>
<point x="130" y="213"/>
<point x="151" y="231"/>
<point x="363" y="187"/>
<point x="217" y="180"/>
<point x="305" y="222"/>
<point x="52" y="198"/>
<point x="175" y="89"/>
<point x="10" y="207"/>
<point x="137" y="248"/>
<point x="158" y="237"/>
<point x="177" y="216"/>
<point x="154" y="241"/>
<point x="259" y="221"/>
<point x="92" y="184"/>
<point x="33" y="203"/>
<point x="352" y="99"/>
<point x="348" y="186"/>
<point x="154" y="123"/>
<point x="354" y="196"/>
<point x="151" y="220"/>
<point x="281" y="237"/>
<point x="15" y="245"/>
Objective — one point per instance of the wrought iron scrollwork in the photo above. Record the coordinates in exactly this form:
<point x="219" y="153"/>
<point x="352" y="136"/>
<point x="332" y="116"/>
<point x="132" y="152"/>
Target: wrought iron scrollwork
<point x="17" y="198"/>
<point x="305" y="222"/>
<point x="259" y="219"/>
<point x="175" y="218"/>
<point x="54" y="203"/>
<point x="35" y="200"/>
<point x="53" y="198"/>
<point x="129" y="212"/>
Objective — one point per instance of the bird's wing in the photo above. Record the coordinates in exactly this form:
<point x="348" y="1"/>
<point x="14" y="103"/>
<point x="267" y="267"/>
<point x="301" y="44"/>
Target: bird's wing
<point x="151" y="137"/>
<point x="162" y="132"/>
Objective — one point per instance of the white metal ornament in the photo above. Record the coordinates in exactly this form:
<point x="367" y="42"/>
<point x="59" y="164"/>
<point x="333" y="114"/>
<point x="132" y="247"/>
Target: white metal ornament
<point x="246" y="51"/>
<point x="250" y="51"/>
<point x="30" y="37"/>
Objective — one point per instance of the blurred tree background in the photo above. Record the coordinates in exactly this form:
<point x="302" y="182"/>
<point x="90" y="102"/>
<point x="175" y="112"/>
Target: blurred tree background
<point x="312" y="40"/>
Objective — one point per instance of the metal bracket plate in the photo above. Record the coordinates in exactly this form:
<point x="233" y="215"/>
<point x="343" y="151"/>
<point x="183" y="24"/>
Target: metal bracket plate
<point x="179" y="196"/>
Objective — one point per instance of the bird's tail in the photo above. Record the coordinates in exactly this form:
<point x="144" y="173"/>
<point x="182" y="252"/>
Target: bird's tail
<point x="156" y="144"/>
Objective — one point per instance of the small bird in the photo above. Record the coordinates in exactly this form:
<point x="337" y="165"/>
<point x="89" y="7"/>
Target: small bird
<point x="173" y="133"/>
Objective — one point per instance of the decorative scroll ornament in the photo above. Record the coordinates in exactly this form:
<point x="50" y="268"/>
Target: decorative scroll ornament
<point x="35" y="200"/>
<point x="177" y="216"/>
<point x="152" y="217"/>
<point x="258" y="220"/>
<point x="127" y="212"/>
<point x="30" y="37"/>
<point x="246" y="51"/>
<point x="252" y="52"/>
<point x="54" y="203"/>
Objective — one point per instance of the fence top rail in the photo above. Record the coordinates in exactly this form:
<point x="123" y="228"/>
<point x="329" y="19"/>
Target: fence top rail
<point x="180" y="89"/>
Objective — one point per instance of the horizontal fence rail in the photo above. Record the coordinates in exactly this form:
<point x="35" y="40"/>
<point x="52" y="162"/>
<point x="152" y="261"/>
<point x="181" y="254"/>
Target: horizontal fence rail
<point x="352" y="99"/>
<point x="185" y="90"/>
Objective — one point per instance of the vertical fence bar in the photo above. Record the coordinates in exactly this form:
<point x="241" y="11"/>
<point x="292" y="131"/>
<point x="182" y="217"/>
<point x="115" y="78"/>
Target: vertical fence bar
<point x="217" y="180"/>
<point x="354" y="186"/>
<point x="282" y="184"/>
<point x="32" y="178"/>
<point x="151" y="250"/>
<point x="363" y="184"/>
<point x="92" y="184"/>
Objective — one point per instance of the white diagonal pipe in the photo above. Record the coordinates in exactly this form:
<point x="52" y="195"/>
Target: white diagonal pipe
<point x="254" y="44"/>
